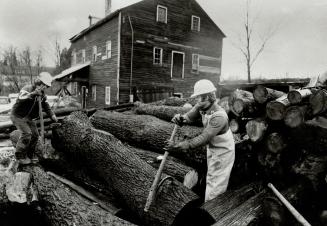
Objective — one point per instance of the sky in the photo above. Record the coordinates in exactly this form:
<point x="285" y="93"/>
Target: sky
<point x="297" y="48"/>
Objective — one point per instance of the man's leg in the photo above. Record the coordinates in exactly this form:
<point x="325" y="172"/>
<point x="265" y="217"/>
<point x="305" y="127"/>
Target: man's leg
<point x="34" y="139"/>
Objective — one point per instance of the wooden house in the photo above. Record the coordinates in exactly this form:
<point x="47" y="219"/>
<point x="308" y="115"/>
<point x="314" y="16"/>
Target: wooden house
<point x="145" y="51"/>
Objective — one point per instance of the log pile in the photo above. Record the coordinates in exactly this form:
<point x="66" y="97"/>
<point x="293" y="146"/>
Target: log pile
<point x="111" y="158"/>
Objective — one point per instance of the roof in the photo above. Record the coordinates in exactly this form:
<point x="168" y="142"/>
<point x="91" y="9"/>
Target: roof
<point x="71" y="70"/>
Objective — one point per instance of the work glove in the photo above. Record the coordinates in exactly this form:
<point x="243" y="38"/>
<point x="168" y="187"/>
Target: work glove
<point x="179" y="119"/>
<point x="171" y="146"/>
<point x="54" y="118"/>
<point x="36" y="92"/>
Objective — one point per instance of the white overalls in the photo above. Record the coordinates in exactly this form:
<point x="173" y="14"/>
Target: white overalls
<point x="220" y="158"/>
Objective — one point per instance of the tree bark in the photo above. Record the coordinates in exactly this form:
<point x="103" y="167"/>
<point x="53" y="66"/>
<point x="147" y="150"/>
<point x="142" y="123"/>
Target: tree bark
<point x="129" y="175"/>
<point x="175" y="101"/>
<point x="318" y="102"/>
<point x="263" y="94"/>
<point x="150" y="133"/>
<point x="276" y="109"/>
<point x="256" y="129"/>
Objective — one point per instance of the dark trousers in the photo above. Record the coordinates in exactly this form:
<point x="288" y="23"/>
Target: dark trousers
<point x="28" y="138"/>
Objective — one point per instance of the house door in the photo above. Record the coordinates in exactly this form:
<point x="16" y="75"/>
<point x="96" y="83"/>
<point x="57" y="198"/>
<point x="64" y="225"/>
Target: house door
<point x="84" y="92"/>
<point x="177" y="65"/>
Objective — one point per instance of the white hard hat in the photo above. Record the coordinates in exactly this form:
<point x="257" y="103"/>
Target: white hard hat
<point x="46" y="78"/>
<point x="203" y="86"/>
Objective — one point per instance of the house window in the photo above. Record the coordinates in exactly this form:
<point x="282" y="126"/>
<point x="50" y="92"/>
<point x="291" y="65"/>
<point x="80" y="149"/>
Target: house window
<point x="108" y="49"/>
<point x="94" y="53"/>
<point x="94" y="92"/>
<point x="157" y="56"/>
<point x="195" y="62"/>
<point x="75" y="88"/>
<point x="195" y="26"/>
<point x="161" y="14"/>
<point x="73" y="57"/>
<point x="83" y="55"/>
<point x="107" y="95"/>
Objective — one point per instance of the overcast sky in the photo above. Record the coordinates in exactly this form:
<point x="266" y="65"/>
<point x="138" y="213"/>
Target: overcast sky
<point x="298" y="47"/>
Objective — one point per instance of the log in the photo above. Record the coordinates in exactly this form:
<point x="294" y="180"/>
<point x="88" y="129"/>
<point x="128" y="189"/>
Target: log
<point x="224" y="103"/>
<point x="244" y="214"/>
<point x="275" y="110"/>
<point x="263" y="94"/>
<point x="63" y="206"/>
<point x="242" y="103"/>
<point x="256" y="129"/>
<point x="231" y="199"/>
<point x="318" y="102"/>
<point x="162" y="112"/>
<point x="299" y="95"/>
<point x="276" y="143"/>
<point x="297" y="115"/>
<point x="175" y="101"/>
<point x="151" y="133"/>
<point x="129" y="175"/>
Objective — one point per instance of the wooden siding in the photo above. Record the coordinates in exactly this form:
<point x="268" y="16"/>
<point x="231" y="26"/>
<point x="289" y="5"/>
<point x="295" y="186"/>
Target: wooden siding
<point x="176" y="35"/>
<point x="103" y="72"/>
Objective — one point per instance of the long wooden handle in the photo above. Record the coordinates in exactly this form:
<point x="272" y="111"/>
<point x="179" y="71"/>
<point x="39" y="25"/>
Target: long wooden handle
<point x="153" y="189"/>
<point x="41" y="118"/>
<point x="289" y="206"/>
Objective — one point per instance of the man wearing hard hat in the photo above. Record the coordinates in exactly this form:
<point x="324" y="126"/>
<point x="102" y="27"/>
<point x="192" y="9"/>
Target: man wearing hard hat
<point x="216" y="135"/>
<point x="25" y="110"/>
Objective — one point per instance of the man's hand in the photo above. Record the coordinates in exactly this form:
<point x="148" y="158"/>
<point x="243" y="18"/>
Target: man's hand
<point x="178" y="119"/>
<point x="37" y="92"/>
<point x="54" y="118"/>
<point x="171" y="146"/>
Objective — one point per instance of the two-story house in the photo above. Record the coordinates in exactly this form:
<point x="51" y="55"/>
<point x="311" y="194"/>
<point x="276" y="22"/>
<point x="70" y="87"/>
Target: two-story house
<point x="152" y="48"/>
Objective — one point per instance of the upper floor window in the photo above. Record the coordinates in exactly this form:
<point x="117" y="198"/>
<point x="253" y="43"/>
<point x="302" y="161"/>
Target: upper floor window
<point x="161" y="14"/>
<point x="83" y="56"/>
<point x="195" y="26"/>
<point x="157" y="56"/>
<point x="108" y="49"/>
<point x="107" y="95"/>
<point x="94" y="53"/>
<point x="195" y="62"/>
<point x="73" y="57"/>
<point x="94" y="92"/>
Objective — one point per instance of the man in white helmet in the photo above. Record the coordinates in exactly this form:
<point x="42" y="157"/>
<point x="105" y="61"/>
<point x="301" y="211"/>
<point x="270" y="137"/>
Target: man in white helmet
<point x="25" y="110"/>
<point x="216" y="136"/>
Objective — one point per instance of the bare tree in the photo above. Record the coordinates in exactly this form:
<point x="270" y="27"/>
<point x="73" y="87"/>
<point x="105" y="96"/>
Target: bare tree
<point x="9" y="69"/>
<point x="246" y="45"/>
<point x="27" y="62"/>
<point x="38" y="61"/>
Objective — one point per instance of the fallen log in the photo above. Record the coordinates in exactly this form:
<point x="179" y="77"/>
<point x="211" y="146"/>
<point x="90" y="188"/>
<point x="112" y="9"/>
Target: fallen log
<point x="256" y="129"/>
<point x="162" y="112"/>
<point x="175" y="101"/>
<point x="297" y="115"/>
<point x="318" y="102"/>
<point x="129" y="175"/>
<point x="150" y="133"/>
<point x="224" y="103"/>
<point x="275" y="143"/>
<point x="63" y="206"/>
<point x="263" y="94"/>
<point x="242" y="103"/>
<point x="299" y="95"/>
<point x="275" y="110"/>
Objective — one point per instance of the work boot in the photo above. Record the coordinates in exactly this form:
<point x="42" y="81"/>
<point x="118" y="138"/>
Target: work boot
<point x="24" y="161"/>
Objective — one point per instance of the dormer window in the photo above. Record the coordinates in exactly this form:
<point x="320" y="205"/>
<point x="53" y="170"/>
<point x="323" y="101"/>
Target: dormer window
<point x="195" y="26"/>
<point x="162" y="14"/>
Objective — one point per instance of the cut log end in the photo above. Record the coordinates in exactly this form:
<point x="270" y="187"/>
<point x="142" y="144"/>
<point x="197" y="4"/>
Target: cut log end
<point x="318" y="102"/>
<point x="275" y="110"/>
<point x="275" y="143"/>
<point x="294" y="97"/>
<point x="294" y="117"/>
<point x="238" y="106"/>
<point x="256" y="129"/>
<point x="233" y="125"/>
<point x="260" y="94"/>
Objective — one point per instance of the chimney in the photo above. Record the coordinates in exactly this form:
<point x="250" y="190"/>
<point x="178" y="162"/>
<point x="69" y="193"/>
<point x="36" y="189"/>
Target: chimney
<point x="90" y="20"/>
<point x="107" y="7"/>
<point x="93" y="19"/>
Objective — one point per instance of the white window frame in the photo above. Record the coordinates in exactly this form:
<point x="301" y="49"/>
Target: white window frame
<point x="94" y="92"/>
<point x="192" y="23"/>
<point x="94" y="53"/>
<point x="108" y="49"/>
<point x="166" y="9"/>
<point x="83" y="56"/>
<point x="154" y="55"/>
<point x="107" y="95"/>
<point x="195" y="65"/>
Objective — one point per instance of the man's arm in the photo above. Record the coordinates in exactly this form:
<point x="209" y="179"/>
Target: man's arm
<point x="46" y="106"/>
<point x="192" y="115"/>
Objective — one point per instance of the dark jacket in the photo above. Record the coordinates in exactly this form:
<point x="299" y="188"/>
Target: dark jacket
<point x="27" y="105"/>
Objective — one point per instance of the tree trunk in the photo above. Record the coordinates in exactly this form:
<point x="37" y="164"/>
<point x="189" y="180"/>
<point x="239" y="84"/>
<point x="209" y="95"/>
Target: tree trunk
<point x="318" y="102"/>
<point x="149" y="133"/>
<point x="263" y="94"/>
<point x="129" y="175"/>
<point x="299" y="95"/>
<point x="276" y="109"/>
<point x="64" y="206"/>
<point x="297" y="115"/>
<point x="244" y="214"/>
<point x="256" y="129"/>
<point x="175" y="101"/>
<point x="242" y="103"/>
